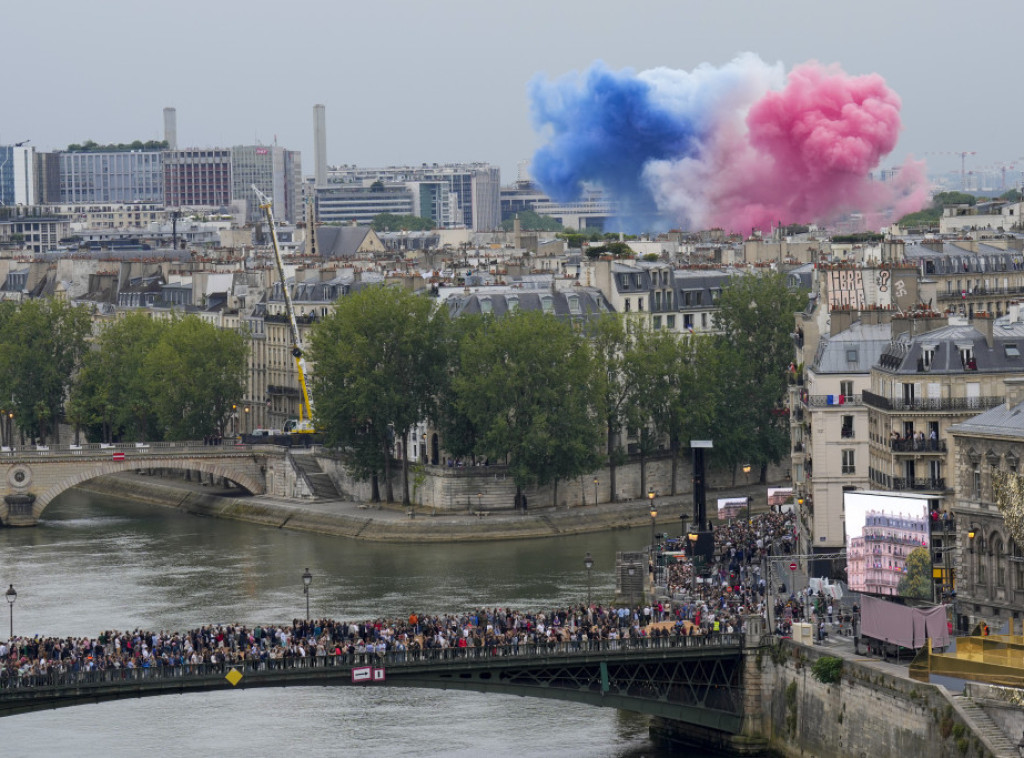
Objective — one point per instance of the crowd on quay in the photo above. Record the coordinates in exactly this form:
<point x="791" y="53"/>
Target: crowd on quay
<point x="26" y="661"/>
<point x="734" y="586"/>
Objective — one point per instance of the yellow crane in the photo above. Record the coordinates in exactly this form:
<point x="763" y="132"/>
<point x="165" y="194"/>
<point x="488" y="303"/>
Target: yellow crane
<point x="304" y="424"/>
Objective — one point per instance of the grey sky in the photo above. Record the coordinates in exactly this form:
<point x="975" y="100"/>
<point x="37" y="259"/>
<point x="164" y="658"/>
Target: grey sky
<point x="412" y="81"/>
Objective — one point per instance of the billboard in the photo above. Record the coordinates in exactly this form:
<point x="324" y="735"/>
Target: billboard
<point x="778" y="497"/>
<point x="887" y="544"/>
<point x="730" y="507"/>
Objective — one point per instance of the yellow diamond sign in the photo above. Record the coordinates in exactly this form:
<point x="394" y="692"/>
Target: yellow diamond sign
<point x="234" y="676"/>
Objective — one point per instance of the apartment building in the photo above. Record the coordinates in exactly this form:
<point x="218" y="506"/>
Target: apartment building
<point x="112" y="177"/>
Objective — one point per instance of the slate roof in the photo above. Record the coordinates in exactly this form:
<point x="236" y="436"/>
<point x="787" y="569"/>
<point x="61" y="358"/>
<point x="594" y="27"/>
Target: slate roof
<point x="905" y="355"/>
<point x="863" y="343"/>
<point x="1001" y="421"/>
<point x="953" y="259"/>
<point x="340" y="241"/>
<point x="591" y="302"/>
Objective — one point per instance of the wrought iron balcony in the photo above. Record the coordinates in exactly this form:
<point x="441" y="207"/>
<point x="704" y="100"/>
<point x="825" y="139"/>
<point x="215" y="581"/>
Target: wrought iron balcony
<point x="931" y="403"/>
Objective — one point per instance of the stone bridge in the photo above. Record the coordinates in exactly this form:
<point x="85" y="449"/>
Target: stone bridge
<point x="33" y="476"/>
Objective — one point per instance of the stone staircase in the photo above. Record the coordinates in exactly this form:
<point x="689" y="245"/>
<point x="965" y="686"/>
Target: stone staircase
<point x="319" y="482"/>
<point x="985" y="728"/>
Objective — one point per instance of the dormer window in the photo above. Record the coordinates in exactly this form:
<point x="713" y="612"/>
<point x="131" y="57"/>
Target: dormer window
<point x="1012" y="351"/>
<point x="574" y="305"/>
<point x="547" y="304"/>
<point x="928" y="356"/>
<point x="851" y="355"/>
<point x="486" y="306"/>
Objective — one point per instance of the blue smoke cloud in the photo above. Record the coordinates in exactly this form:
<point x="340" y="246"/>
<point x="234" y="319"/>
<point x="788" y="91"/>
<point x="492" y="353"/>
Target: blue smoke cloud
<point x="604" y="127"/>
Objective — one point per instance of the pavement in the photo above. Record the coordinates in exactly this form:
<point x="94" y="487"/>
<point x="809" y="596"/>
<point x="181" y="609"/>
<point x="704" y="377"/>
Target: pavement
<point x="392" y="522"/>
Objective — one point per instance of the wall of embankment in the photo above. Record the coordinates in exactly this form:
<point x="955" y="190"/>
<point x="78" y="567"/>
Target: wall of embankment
<point x="367" y="523"/>
<point x="869" y="713"/>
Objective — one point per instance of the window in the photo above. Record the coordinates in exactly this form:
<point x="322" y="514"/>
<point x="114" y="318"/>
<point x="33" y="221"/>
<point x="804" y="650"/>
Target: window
<point x="574" y="305"/>
<point x="657" y="322"/>
<point x="547" y="304"/>
<point x="688" y="321"/>
<point x="849" y="467"/>
<point x="1012" y="351"/>
<point x="512" y="302"/>
<point x="851" y="355"/>
<point x="639" y="303"/>
<point x="657" y="300"/>
<point x="670" y="322"/>
<point x="847" y="428"/>
<point x="846" y="389"/>
<point x="627" y="305"/>
<point x="486" y="306"/>
<point x="703" y="321"/>
<point x="977" y="483"/>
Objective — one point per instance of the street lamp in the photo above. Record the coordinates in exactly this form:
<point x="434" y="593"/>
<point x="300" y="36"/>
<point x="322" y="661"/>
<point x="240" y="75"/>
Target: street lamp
<point x="423" y="446"/>
<point x="595" y="490"/>
<point x="631" y="570"/>
<point x="654" y="514"/>
<point x="307" y="579"/>
<point x="11" y="597"/>
<point x="588" y="563"/>
<point x="247" y="428"/>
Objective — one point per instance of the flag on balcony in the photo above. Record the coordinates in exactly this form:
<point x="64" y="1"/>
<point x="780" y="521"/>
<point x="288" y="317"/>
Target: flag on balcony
<point x="835" y="399"/>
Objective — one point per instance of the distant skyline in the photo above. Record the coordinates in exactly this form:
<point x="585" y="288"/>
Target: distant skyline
<point x="448" y="81"/>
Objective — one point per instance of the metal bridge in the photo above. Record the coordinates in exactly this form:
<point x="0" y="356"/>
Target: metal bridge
<point x="694" y="680"/>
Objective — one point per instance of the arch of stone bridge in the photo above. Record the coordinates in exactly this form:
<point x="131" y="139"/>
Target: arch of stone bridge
<point x="243" y="471"/>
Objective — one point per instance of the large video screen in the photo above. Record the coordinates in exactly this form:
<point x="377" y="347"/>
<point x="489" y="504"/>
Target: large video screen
<point x="887" y="544"/>
<point x="731" y="507"/>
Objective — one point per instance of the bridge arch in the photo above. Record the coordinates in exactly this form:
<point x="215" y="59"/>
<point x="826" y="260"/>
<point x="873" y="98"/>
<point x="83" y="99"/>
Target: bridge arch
<point x="244" y="471"/>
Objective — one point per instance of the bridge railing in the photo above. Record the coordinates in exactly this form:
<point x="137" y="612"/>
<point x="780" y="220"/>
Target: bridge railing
<point x="97" y="449"/>
<point x="61" y="674"/>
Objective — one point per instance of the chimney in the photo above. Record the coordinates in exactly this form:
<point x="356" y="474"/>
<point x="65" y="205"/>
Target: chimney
<point x="319" y="146"/>
<point x="1014" y="391"/>
<point x="984" y="324"/>
<point x="171" y="128"/>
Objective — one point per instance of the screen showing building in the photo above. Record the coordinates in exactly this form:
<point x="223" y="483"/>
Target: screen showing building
<point x="780" y="499"/>
<point x="730" y="507"/>
<point x="887" y="544"/>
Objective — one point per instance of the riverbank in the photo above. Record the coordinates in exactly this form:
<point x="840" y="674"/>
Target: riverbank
<point x="392" y="522"/>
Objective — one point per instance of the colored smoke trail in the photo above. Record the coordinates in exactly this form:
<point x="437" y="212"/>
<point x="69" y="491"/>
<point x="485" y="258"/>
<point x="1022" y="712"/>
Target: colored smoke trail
<point x="738" y="147"/>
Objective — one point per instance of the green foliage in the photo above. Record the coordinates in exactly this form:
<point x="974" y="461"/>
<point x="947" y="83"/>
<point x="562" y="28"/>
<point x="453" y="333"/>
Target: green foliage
<point x="525" y="383"/>
<point x="953" y="198"/>
<point x="194" y="373"/>
<point x="828" y="669"/>
<point x="791" y="707"/>
<point x="529" y="220"/>
<point x="959" y="730"/>
<point x="917" y="581"/>
<point x="756" y="318"/>
<point x="858" y="238"/>
<point x="41" y="347"/>
<point x="119" y="147"/>
<point x="380" y="360"/>
<point x="930" y="216"/>
<point x="576" y="239"/>
<point x="617" y="249"/>
<point x="1013" y="195"/>
<point x="390" y="222"/>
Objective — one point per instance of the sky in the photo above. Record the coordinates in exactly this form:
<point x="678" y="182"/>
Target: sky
<point x="407" y="81"/>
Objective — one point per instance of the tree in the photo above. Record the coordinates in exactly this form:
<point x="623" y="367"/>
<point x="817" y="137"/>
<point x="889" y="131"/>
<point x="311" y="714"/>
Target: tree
<point x="525" y="384"/>
<point x="41" y="349"/>
<point x="612" y="337"/>
<point x="756" y="318"/>
<point x="917" y="581"/>
<point x="379" y="361"/>
<point x="195" y="372"/>
<point x="111" y="396"/>
<point x="529" y="220"/>
<point x="389" y="222"/>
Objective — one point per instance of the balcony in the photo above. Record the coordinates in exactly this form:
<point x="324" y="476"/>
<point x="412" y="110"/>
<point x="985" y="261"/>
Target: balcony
<point x="931" y="403"/>
<point x="937" y="484"/>
<point x="274" y="389"/>
<point x="918" y="446"/>
<point x="830" y="401"/>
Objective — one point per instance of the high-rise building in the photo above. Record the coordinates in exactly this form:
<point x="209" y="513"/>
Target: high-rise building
<point x="473" y="190"/>
<point x="197" y="176"/>
<point x="112" y="177"/>
<point x="276" y="172"/>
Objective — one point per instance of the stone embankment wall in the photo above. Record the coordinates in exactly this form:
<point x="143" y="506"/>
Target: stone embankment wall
<point x="869" y="713"/>
<point x="485" y="488"/>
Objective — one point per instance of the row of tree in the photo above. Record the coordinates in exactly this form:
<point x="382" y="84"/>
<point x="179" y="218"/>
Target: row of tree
<point x="143" y="379"/>
<point x="552" y="399"/>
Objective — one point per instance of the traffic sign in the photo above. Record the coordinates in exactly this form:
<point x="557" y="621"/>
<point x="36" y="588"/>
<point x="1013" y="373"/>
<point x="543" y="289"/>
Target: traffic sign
<point x="118" y="456"/>
<point x="792" y="567"/>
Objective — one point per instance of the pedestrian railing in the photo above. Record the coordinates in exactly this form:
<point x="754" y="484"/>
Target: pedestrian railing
<point x="62" y="674"/>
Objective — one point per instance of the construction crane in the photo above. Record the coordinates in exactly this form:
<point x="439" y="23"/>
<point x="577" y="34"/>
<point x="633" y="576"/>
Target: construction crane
<point x="304" y="424"/>
<point x="963" y="163"/>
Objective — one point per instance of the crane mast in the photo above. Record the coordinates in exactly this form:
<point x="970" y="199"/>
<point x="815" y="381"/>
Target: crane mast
<point x="305" y="422"/>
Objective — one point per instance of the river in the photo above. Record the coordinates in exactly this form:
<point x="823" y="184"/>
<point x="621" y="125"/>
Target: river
<point x="96" y="563"/>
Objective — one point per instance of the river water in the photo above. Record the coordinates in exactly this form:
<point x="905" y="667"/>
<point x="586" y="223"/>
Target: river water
<point x="97" y="563"/>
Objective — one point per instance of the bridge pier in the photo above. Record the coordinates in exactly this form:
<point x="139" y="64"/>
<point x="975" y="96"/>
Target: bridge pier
<point x="18" y="510"/>
<point x="752" y="739"/>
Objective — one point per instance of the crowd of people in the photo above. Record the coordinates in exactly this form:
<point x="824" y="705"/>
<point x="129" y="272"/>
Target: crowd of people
<point x="25" y="660"/>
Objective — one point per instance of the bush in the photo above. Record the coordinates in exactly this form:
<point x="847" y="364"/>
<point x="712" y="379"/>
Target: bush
<point x="828" y="669"/>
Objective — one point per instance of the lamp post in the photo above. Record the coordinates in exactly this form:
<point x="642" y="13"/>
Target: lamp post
<point x="595" y="490"/>
<point x="746" y="480"/>
<point x="248" y="429"/>
<point x="654" y="516"/>
<point x="11" y="596"/>
<point x="307" y="579"/>
<point x="588" y="563"/>
<point x="692" y="537"/>
<point x="423" y="447"/>
<point x="631" y="571"/>
<point x="234" y="419"/>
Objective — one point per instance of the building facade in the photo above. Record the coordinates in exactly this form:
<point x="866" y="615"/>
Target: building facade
<point x="197" y="177"/>
<point x="276" y="172"/>
<point x="112" y="177"/>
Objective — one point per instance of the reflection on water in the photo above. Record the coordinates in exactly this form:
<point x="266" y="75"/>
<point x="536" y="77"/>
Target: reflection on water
<point x="96" y="563"/>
